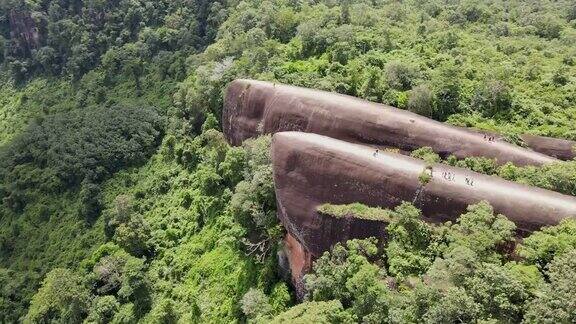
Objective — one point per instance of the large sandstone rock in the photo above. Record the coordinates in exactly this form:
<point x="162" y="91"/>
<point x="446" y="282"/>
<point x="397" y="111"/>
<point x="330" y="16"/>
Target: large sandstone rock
<point x="342" y="167"/>
<point x="310" y="170"/>
<point x="252" y="108"/>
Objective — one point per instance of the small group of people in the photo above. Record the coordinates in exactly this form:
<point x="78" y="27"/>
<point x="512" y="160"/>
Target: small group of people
<point x="447" y="175"/>
<point x="489" y="138"/>
<point x="450" y="176"/>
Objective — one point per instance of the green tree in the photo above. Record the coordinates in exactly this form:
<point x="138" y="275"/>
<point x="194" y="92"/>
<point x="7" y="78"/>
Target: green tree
<point x="447" y="90"/>
<point x="400" y="75"/>
<point x="103" y="309"/>
<point x="347" y="275"/>
<point x="555" y="301"/>
<point x="330" y="312"/>
<point x="210" y="123"/>
<point x="280" y="298"/>
<point x="63" y="297"/>
<point x="90" y="200"/>
<point x="455" y="306"/>
<point x="543" y="246"/>
<point x="369" y="294"/>
<point x="492" y="98"/>
<point x="421" y="101"/>
<point x="234" y="164"/>
<point x="255" y="304"/>
<point x="481" y="231"/>
<point x="253" y="202"/>
<point x="547" y="26"/>
<point x="410" y="249"/>
<point x="134" y="236"/>
<point x="501" y="295"/>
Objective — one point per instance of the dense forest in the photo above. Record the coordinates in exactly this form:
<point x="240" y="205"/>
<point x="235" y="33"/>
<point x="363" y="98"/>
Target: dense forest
<point x="122" y="202"/>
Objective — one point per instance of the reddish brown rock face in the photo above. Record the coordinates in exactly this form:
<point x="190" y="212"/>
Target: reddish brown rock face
<point x="559" y="148"/>
<point x="342" y="167"/>
<point x="310" y="170"/>
<point x="299" y="261"/>
<point x="252" y="108"/>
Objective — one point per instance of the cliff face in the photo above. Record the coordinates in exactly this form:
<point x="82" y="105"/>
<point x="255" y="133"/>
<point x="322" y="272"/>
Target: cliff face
<point x="23" y="32"/>
<point x="255" y="107"/>
<point x="310" y="170"/>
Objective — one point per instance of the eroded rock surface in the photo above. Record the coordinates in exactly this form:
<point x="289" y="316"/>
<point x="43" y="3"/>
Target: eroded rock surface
<point x="252" y="108"/>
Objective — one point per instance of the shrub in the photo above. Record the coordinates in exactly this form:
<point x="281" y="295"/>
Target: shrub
<point x="61" y="298"/>
<point x="355" y="210"/>
<point x="492" y="98"/>
<point x="421" y="101"/>
<point x="401" y="76"/>
<point x="427" y="154"/>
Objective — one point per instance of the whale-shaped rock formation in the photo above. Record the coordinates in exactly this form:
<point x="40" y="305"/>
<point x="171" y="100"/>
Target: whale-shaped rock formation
<point x="324" y="151"/>
<point x="310" y="170"/>
<point x="253" y="107"/>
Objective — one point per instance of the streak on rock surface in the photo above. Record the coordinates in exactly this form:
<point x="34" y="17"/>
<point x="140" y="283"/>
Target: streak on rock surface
<point x="252" y="108"/>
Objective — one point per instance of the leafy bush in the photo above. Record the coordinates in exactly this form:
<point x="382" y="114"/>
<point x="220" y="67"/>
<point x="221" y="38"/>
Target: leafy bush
<point x="427" y="154"/>
<point x="421" y="101"/>
<point x="559" y="177"/>
<point x="492" y="98"/>
<point x="62" y="297"/>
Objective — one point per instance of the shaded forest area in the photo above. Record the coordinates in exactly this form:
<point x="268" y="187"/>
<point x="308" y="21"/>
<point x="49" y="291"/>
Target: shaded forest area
<point x="122" y="202"/>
